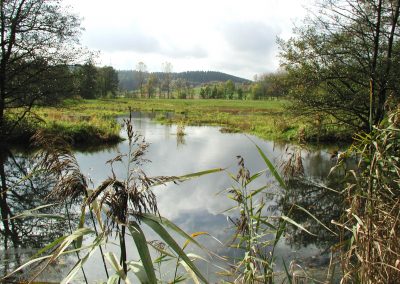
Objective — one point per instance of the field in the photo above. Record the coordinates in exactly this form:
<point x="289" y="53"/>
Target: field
<point x="92" y="121"/>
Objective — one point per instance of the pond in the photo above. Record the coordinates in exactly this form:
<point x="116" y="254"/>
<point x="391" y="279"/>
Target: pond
<point x="202" y="204"/>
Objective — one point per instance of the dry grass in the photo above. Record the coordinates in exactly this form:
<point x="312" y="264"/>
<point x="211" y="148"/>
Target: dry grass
<point x="371" y="225"/>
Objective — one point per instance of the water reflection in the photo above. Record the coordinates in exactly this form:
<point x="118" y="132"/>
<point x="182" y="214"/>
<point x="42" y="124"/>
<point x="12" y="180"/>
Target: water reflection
<point x="25" y="190"/>
<point x="196" y="205"/>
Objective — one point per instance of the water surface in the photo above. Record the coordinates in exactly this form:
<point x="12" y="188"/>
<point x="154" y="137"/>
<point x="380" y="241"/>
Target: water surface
<point x="201" y="204"/>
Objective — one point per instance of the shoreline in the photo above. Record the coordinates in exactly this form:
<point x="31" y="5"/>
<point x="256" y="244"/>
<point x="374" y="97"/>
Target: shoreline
<point x="87" y="123"/>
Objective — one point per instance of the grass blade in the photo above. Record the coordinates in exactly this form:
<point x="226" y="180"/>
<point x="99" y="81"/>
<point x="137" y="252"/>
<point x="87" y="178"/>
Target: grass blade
<point x="315" y="218"/>
<point x="112" y="259"/>
<point x="271" y="167"/>
<point x="81" y="262"/>
<point x="138" y="269"/>
<point x="170" y="225"/>
<point x="288" y="276"/>
<point x="255" y="176"/>
<point x="49" y="246"/>
<point x="25" y="265"/>
<point x="63" y="246"/>
<point x="143" y="249"/>
<point x="31" y="213"/>
<point x="191" y="273"/>
<point x="166" y="237"/>
<point x="113" y="279"/>
<point x="198" y="174"/>
<point x="291" y="221"/>
<point x="80" y="226"/>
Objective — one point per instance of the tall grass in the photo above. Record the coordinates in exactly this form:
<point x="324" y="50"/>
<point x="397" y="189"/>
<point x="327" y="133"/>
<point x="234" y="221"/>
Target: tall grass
<point x="258" y="231"/>
<point x="370" y="226"/>
<point x="119" y="207"/>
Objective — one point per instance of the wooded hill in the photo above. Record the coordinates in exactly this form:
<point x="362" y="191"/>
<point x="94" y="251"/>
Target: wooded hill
<point x="130" y="79"/>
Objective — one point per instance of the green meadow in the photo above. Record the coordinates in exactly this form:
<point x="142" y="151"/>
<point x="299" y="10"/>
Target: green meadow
<point x="93" y="121"/>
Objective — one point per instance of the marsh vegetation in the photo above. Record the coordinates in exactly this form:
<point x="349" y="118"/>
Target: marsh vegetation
<point x="292" y="212"/>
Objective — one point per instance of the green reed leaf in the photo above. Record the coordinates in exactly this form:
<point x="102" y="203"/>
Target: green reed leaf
<point x="172" y="226"/>
<point x="143" y="249"/>
<point x="198" y="174"/>
<point x="271" y="167"/>
<point x="315" y="218"/>
<point x="112" y="259"/>
<point x="291" y="221"/>
<point x="80" y="226"/>
<point x="81" y="262"/>
<point x="166" y="237"/>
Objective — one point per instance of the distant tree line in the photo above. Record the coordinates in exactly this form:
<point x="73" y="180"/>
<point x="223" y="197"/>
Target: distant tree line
<point x="130" y="80"/>
<point x="265" y="86"/>
<point x="90" y="82"/>
<point x="85" y="81"/>
<point x="200" y="84"/>
<point x="224" y="90"/>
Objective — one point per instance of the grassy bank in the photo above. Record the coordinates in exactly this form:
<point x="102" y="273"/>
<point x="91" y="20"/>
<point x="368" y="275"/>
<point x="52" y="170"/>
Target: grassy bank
<point x="92" y="121"/>
<point x="80" y="130"/>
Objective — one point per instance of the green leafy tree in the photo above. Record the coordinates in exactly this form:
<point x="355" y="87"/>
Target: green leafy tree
<point x="240" y="93"/>
<point x="30" y="32"/>
<point x="36" y="37"/>
<point x="345" y="61"/>
<point x="257" y="91"/>
<point x="167" y="77"/>
<point x="180" y="87"/>
<point x="108" y="81"/>
<point x="202" y="93"/>
<point x="151" y="85"/>
<point x="141" y="75"/>
<point x="270" y="85"/>
<point x="230" y="89"/>
<point x="87" y="81"/>
<point x="208" y="91"/>
<point x="214" y="93"/>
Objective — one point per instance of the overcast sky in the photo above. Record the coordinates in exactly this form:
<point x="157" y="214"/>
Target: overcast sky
<point x="232" y="36"/>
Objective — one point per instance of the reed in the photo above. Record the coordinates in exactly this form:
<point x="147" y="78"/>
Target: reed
<point x="127" y="202"/>
<point x="257" y="231"/>
<point x="370" y="227"/>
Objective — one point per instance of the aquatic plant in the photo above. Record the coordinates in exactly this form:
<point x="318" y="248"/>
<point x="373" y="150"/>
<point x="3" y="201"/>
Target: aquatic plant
<point x="127" y="203"/>
<point x="370" y="247"/>
<point x="256" y="233"/>
<point x="180" y="129"/>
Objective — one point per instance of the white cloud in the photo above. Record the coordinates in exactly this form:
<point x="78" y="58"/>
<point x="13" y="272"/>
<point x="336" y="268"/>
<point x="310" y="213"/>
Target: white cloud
<point x="236" y="37"/>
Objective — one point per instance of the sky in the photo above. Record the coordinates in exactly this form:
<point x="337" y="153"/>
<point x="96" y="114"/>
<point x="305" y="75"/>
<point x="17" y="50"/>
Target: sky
<point x="231" y="36"/>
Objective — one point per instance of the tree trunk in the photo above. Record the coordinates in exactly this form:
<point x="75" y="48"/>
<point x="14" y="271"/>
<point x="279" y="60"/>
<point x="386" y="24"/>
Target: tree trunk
<point x="373" y="111"/>
<point x="9" y="229"/>
<point x="384" y="80"/>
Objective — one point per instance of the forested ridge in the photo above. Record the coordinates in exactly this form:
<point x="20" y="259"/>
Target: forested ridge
<point x="129" y="79"/>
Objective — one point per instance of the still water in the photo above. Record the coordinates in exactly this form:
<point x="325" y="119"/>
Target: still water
<point x="201" y="204"/>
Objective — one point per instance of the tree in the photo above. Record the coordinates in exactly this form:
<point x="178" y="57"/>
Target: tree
<point x="167" y="76"/>
<point x="345" y="61"/>
<point x="240" y="93"/>
<point x="141" y="69"/>
<point x="207" y="91"/>
<point x="108" y="81"/>
<point x="88" y="81"/>
<point x="202" y="93"/>
<point x="180" y="86"/>
<point x="35" y="37"/>
<point x="151" y="85"/>
<point x="269" y="85"/>
<point x="214" y="93"/>
<point x="257" y="91"/>
<point x="230" y="89"/>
